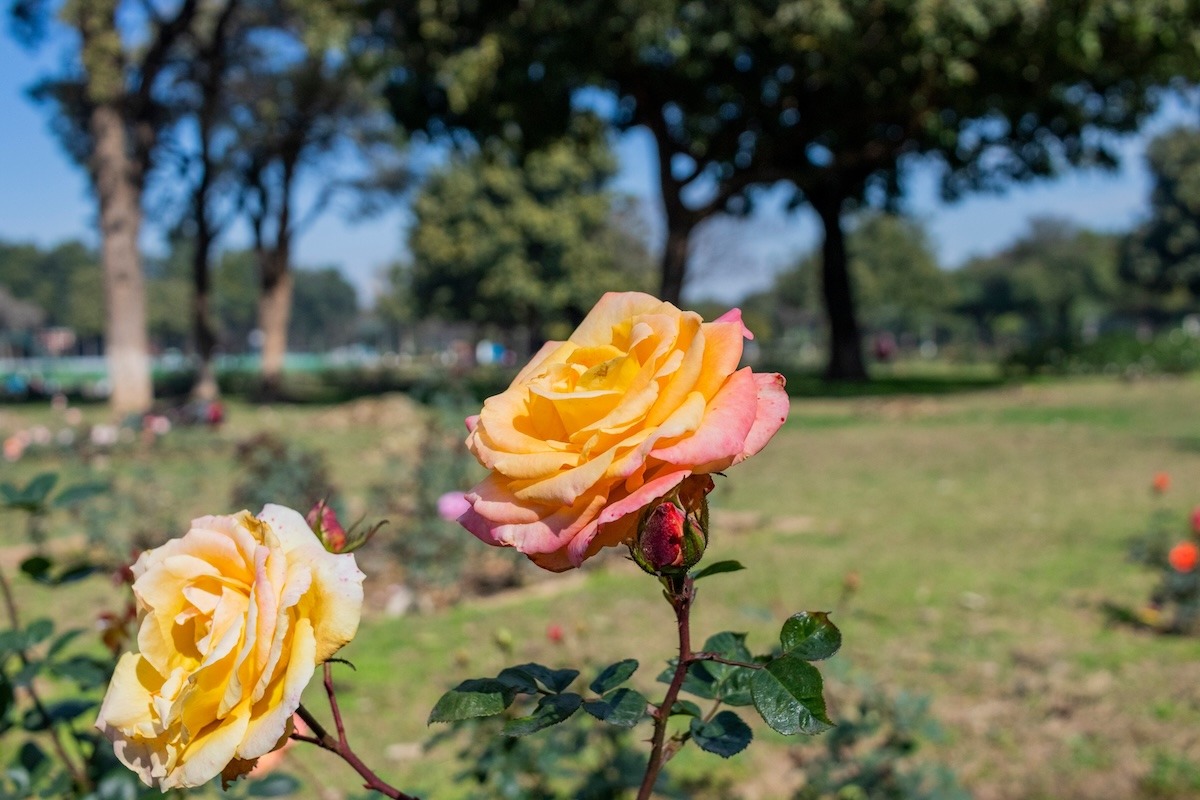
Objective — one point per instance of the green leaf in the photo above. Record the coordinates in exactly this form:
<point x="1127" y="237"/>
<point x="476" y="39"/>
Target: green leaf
<point x="788" y="694"/>
<point x="38" y="631"/>
<point x="277" y="784"/>
<point x="518" y="680"/>
<point x="9" y="493"/>
<point x="685" y="708"/>
<point x="725" y="734"/>
<point x="621" y="707"/>
<point x="67" y="710"/>
<point x="76" y="572"/>
<point x="31" y="757"/>
<point x="62" y="640"/>
<point x="555" y="680"/>
<point x="37" y="568"/>
<point x="34" y="494"/>
<point x="85" y="671"/>
<point x="614" y="675"/>
<point x="478" y="697"/>
<point x="551" y="710"/>
<point x="718" y="568"/>
<point x="810" y="635"/>
<point x="77" y="493"/>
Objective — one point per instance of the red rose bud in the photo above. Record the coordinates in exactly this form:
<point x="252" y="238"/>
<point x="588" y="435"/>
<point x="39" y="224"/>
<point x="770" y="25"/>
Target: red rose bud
<point x="1162" y="482"/>
<point x="325" y="525"/>
<point x="554" y="633"/>
<point x="1196" y="520"/>
<point x="673" y="533"/>
<point x="1183" y="556"/>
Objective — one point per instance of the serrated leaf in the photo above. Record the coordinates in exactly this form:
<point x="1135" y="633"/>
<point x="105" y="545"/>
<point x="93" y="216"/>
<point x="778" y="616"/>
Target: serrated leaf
<point x="685" y="708"/>
<point x="555" y="680"/>
<point x="788" y="694"/>
<point x="77" y="493"/>
<point x="551" y="710"/>
<point x="714" y="681"/>
<point x="614" y="675"/>
<point x="810" y="635"/>
<point x="621" y="707"/>
<point x="277" y="784"/>
<point x="478" y="697"/>
<point x="718" y="568"/>
<point x="725" y="734"/>
<point x="37" y="568"/>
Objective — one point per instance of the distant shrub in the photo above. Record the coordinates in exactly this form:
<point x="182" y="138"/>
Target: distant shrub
<point x="870" y="753"/>
<point x="276" y="471"/>
<point x="1118" y="353"/>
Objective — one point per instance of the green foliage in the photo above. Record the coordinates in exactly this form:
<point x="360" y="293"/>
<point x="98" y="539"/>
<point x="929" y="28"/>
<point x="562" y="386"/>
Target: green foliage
<point x="717" y="568"/>
<point x="724" y="735"/>
<point x="509" y="243"/>
<point x="274" y="470"/>
<point x="1163" y="255"/>
<point x="580" y="760"/>
<point x="1174" y="605"/>
<point x="870" y="753"/>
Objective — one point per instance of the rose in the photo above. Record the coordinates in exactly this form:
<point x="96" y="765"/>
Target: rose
<point x="235" y="616"/>
<point x="1184" y="556"/>
<point x="595" y="428"/>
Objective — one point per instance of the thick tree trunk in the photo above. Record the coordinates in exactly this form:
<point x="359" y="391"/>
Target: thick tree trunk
<point x="674" y="263"/>
<point x="206" y="387"/>
<point x="127" y="345"/>
<point x="845" y="339"/>
<point x="274" y="311"/>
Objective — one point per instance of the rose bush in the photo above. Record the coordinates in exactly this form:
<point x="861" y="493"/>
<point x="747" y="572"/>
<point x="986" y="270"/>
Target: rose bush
<point x="235" y="616"/>
<point x="593" y="429"/>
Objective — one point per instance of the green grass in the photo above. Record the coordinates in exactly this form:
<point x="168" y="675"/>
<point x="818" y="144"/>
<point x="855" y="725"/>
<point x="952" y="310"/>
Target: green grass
<point x="987" y="528"/>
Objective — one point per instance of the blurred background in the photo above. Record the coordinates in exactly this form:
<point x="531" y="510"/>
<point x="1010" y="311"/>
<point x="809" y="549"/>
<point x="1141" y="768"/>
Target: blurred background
<point x="274" y="250"/>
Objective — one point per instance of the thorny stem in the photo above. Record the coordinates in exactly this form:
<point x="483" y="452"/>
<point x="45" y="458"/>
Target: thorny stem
<point x="78" y="773"/>
<point x="681" y="593"/>
<point x="340" y="746"/>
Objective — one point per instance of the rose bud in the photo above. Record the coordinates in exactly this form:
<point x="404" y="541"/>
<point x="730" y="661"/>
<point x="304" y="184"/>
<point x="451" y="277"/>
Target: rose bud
<point x="1196" y="520"/>
<point x="325" y="525"/>
<point x="1184" y="556"/>
<point x="1161" y="483"/>
<point x="673" y="533"/>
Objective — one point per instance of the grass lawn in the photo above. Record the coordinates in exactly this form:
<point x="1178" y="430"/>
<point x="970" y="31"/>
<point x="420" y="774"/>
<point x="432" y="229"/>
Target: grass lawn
<point x="986" y="528"/>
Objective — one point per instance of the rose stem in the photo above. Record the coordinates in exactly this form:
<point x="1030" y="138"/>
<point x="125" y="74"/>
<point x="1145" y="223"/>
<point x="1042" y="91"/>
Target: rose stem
<point x="340" y="746"/>
<point x="78" y="774"/>
<point x="681" y="595"/>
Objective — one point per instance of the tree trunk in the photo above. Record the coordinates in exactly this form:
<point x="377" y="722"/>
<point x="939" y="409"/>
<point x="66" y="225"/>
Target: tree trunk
<point x="274" y="311"/>
<point x="674" y="263"/>
<point x="127" y="345"/>
<point x="845" y="339"/>
<point x="206" y="387"/>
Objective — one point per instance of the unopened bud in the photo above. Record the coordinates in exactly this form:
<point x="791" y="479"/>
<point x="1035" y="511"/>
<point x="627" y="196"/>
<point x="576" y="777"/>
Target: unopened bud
<point x="673" y="531"/>
<point x="325" y="525"/>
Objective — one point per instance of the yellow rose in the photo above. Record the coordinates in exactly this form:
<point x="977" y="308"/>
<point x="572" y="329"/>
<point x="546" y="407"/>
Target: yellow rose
<point x="235" y="616"/>
<point x="641" y="396"/>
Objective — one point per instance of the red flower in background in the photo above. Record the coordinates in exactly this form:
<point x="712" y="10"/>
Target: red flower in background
<point x="1183" y="556"/>
<point x="1162" y="482"/>
<point x="1196" y="520"/>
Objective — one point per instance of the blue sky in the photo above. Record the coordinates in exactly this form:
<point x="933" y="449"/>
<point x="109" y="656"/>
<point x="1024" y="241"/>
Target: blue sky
<point x="44" y="199"/>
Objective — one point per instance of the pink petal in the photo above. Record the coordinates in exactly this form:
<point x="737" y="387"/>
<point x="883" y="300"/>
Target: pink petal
<point x="773" y="406"/>
<point x="722" y="434"/>
<point x="735" y="315"/>
<point x="472" y="421"/>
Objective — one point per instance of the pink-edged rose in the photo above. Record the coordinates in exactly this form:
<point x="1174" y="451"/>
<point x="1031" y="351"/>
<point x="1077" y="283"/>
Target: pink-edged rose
<point x="595" y="428"/>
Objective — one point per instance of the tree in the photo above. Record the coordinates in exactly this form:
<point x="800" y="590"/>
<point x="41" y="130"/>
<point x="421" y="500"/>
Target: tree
<point x="1052" y="276"/>
<point x="325" y="308"/>
<point x="1163" y="254"/>
<point x="110" y="114"/>
<point x="531" y="244"/>
<point x="835" y="97"/>
<point x="900" y="286"/>
<point x="294" y="116"/>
